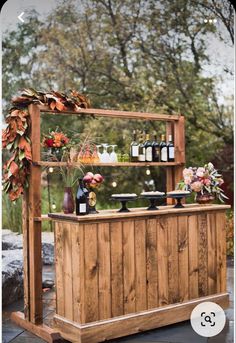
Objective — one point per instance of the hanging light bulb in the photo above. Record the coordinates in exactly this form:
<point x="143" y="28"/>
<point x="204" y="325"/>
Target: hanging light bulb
<point x="114" y="184"/>
<point x="54" y="206"/>
<point x="148" y="172"/>
<point x="50" y="170"/>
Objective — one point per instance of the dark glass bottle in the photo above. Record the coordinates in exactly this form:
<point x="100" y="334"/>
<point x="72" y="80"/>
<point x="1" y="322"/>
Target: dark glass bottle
<point x="171" y="150"/>
<point x="134" y="148"/>
<point x="82" y="206"/>
<point x="148" y="149"/>
<point x="155" y="150"/>
<point x="141" y="154"/>
<point x="163" y="149"/>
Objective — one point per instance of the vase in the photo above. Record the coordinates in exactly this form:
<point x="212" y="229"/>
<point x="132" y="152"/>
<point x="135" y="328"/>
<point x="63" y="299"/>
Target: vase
<point x="68" y="201"/>
<point x="205" y="198"/>
<point x="55" y="154"/>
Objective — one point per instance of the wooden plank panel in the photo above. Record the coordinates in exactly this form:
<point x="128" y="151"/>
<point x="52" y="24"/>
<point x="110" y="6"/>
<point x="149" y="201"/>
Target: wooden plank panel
<point x="104" y="262"/>
<point x="162" y="261"/>
<point x="129" y="267"/>
<point x="193" y="256"/>
<point x="91" y="273"/>
<point x="59" y="270"/>
<point x="152" y="272"/>
<point x="173" y="268"/>
<point x="77" y="260"/>
<point x="140" y="265"/>
<point x="117" y="289"/>
<point x="202" y="255"/>
<point x="67" y="264"/>
<point x="25" y="231"/>
<point x="211" y="237"/>
<point x="221" y="251"/>
<point x="183" y="258"/>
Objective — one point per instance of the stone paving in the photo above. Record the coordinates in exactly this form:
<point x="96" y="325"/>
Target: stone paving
<point x="177" y="333"/>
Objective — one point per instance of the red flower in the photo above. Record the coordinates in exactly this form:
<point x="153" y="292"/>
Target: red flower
<point x="48" y="142"/>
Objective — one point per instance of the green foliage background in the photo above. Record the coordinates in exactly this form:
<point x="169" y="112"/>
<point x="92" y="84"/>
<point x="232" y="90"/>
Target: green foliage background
<point x="129" y="55"/>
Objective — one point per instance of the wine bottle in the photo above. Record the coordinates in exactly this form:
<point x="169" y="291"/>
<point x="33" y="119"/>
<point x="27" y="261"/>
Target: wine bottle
<point x="134" y="148"/>
<point x="155" y="149"/>
<point x="148" y="149"/>
<point x="82" y="206"/>
<point x="171" y="150"/>
<point x="141" y="154"/>
<point x="163" y="149"/>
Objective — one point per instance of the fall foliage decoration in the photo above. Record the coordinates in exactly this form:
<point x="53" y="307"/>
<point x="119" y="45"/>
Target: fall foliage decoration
<point x="16" y="136"/>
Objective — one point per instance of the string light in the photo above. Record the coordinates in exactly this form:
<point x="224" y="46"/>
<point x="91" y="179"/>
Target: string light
<point x="50" y="170"/>
<point x="148" y="172"/>
<point x="54" y="206"/>
<point x="114" y="184"/>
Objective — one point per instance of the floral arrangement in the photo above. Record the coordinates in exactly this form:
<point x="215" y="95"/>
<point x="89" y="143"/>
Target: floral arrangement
<point x="55" y="139"/>
<point x="93" y="180"/>
<point x="16" y="136"/>
<point x="203" y="180"/>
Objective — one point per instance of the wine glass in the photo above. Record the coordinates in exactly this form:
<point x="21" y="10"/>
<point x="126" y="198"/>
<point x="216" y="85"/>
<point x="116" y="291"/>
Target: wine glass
<point x="113" y="155"/>
<point x="98" y="152"/>
<point x="105" y="158"/>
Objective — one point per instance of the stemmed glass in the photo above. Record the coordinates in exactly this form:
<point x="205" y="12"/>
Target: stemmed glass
<point x="113" y="155"/>
<point x="105" y="157"/>
<point x="98" y="152"/>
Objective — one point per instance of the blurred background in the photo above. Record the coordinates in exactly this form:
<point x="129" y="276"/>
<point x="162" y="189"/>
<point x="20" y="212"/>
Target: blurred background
<point x="170" y="56"/>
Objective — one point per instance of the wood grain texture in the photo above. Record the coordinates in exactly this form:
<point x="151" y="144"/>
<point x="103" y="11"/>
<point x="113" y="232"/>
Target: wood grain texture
<point x="134" y="323"/>
<point x="67" y="267"/>
<point x="193" y="256"/>
<point x="77" y="261"/>
<point x="117" y="281"/>
<point x="221" y="251"/>
<point x="129" y="267"/>
<point x="59" y="270"/>
<point x="140" y="265"/>
<point x="162" y="261"/>
<point x="25" y="231"/>
<point x="152" y="269"/>
<point x="91" y="273"/>
<point x="34" y="210"/>
<point x="104" y="265"/>
<point x="211" y="238"/>
<point x="202" y="255"/>
<point x="183" y="258"/>
<point x="173" y="266"/>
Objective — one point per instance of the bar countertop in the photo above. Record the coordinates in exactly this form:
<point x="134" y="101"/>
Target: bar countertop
<point x="137" y="212"/>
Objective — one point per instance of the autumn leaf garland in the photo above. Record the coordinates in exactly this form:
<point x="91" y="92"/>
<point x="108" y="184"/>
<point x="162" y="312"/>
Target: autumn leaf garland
<point x="16" y="136"/>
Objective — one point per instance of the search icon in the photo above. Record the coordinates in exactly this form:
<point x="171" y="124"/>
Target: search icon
<point x="208" y="319"/>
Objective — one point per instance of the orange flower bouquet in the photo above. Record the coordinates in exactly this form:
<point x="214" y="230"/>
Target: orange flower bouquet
<point x="55" y="142"/>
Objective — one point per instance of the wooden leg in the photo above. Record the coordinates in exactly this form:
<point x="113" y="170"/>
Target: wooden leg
<point x="42" y="331"/>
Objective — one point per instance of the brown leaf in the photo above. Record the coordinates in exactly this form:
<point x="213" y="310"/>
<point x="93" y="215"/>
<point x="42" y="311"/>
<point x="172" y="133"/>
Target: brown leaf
<point x="60" y="106"/>
<point x="14" y="168"/>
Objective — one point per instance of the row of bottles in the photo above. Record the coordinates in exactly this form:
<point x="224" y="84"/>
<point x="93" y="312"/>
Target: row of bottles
<point x="146" y="150"/>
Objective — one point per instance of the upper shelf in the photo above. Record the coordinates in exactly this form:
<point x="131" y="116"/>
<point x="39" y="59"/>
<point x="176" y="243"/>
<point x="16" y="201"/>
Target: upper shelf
<point x="114" y="114"/>
<point x="118" y="164"/>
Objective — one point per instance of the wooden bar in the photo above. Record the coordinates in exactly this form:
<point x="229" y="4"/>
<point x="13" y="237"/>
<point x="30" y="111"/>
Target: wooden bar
<point x="100" y="164"/>
<point x="114" y="114"/>
<point x="140" y="265"/>
<point x="34" y="239"/>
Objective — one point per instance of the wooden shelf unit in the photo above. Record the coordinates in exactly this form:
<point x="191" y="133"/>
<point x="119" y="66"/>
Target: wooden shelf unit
<point x="100" y="164"/>
<point x="33" y="309"/>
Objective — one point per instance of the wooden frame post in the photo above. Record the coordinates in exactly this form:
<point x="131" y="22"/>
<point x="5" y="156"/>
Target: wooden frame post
<point x="34" y="280"/>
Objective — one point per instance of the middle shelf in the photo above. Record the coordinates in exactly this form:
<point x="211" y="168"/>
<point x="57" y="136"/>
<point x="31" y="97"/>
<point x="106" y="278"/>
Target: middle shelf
<point x="99" y="164"/>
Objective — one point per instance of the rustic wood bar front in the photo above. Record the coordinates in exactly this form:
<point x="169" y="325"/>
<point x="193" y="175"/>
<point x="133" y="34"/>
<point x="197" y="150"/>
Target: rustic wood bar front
<point x="122" y="273"/>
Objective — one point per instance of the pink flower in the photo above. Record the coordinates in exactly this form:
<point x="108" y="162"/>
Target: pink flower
<point x="196" y="186"/>
<point x="207" y="182"/>
<point x="188" y="172"/>
<point x="200" y="172"/>
<point x="187" y="180"/>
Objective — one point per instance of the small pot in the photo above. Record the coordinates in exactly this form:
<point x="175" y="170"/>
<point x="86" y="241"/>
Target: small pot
<point x="68" y="202"/>
<point x="205" y="198"/>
